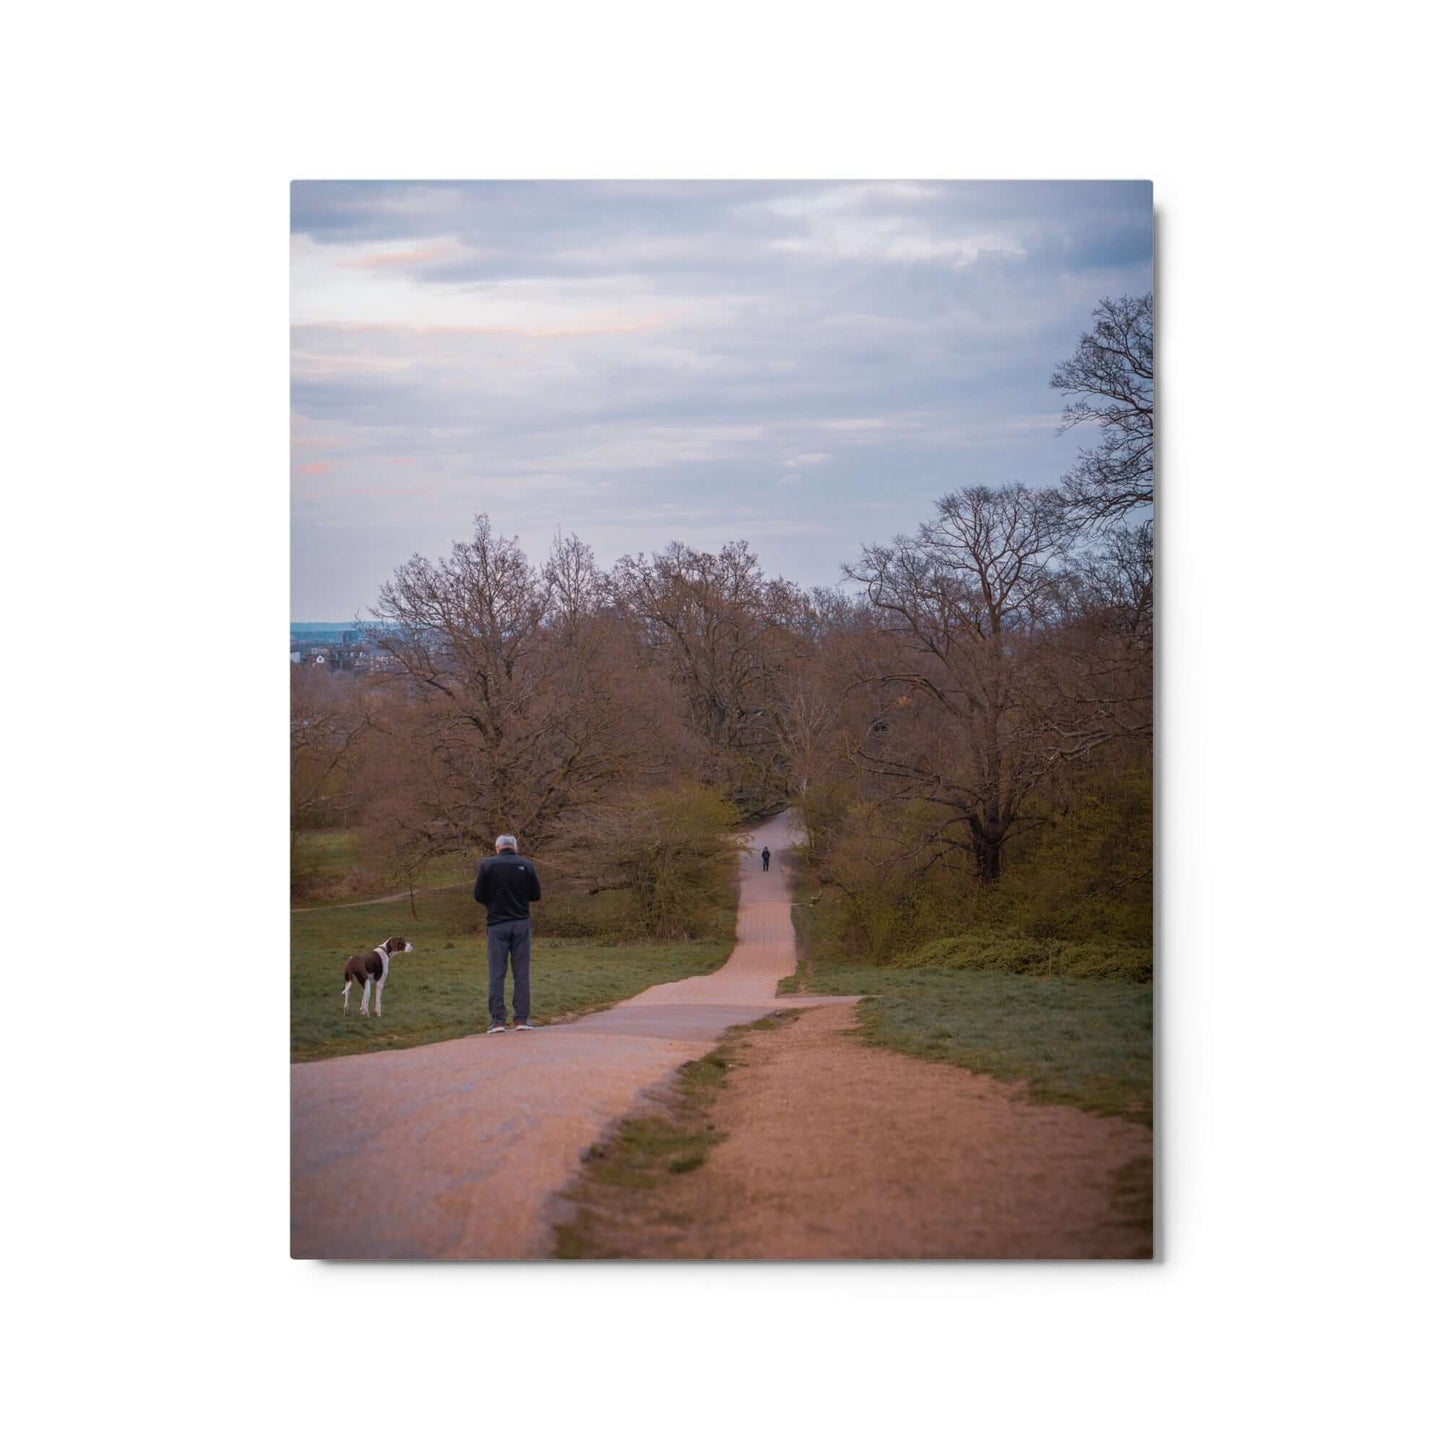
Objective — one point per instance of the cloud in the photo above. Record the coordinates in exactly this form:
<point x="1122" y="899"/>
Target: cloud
<point x="892" y="222"/>
<point x="409" y="257"/>
<point x="629" y="357"/>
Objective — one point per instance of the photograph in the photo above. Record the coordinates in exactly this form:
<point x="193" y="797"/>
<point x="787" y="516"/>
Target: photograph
<point x="722" y="714"/>
<point x="707" y="461"/>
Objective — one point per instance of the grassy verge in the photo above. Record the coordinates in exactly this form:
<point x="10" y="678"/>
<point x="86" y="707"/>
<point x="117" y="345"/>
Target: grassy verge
<point x="327" y="853"/>
<point x="329" y="865"/>
<point x="1086" y="1041"/>
<point x="614" y="1208"/>
<point x="439" y="991"/>
<point x="1038" y="957"/>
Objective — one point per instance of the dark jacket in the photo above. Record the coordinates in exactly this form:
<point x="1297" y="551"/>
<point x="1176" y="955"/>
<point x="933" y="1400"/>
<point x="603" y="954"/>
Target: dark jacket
<point x="508" y="884"/>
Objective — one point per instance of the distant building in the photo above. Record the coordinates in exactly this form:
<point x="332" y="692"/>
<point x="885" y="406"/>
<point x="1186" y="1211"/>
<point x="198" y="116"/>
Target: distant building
<point x="345" y="648"/>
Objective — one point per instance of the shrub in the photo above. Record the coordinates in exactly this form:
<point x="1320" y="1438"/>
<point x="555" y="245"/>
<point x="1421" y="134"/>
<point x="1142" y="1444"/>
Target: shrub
<point x="660" y="865"/>
<point x="1037" y="957"/>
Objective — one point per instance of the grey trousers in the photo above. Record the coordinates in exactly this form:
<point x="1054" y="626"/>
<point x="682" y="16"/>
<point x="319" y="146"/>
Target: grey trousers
<point x="514" y="937"/>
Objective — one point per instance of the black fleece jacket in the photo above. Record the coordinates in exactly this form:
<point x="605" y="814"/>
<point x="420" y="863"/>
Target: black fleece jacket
<point x="508" y="884"/>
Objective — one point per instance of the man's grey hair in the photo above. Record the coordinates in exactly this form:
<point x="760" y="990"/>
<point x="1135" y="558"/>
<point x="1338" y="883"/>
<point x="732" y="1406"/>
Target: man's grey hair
<point x="507" y="841"/>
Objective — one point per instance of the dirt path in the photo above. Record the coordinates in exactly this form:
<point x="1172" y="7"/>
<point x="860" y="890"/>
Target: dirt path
<point x="453" y="1150"/>
<point x="835" y="1150"/>
<point x="365" y="902"/>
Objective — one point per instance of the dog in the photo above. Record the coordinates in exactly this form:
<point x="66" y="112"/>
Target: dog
<point x="366" y="968"/>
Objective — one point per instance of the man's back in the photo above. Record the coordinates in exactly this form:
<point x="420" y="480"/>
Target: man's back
<point x="508" y="884"/>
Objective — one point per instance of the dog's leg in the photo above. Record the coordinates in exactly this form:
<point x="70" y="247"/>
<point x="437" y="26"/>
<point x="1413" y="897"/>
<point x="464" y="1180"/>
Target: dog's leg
<point x="346" y="998"/>
<point x="365" y="995"/>
<point x="380" y="984"/>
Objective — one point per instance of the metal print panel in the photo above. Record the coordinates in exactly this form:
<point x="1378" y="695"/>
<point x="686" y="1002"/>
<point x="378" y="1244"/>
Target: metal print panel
<point x="721" y="739"/>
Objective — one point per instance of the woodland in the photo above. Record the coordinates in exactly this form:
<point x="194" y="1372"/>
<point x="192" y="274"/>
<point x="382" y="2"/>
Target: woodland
<point x="964" y="722"/>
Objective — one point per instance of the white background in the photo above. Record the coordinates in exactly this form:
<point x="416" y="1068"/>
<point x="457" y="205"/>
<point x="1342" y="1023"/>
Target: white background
<point x="148" y="1282"/>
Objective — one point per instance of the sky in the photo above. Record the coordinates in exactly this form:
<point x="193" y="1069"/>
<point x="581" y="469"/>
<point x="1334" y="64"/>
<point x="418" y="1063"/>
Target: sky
<point x="805" y="366"/>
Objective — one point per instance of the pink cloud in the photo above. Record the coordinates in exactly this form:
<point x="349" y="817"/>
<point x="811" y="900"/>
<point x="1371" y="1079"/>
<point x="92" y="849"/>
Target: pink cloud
<point x="316" y="469"/>
<point x="378" y="260"/>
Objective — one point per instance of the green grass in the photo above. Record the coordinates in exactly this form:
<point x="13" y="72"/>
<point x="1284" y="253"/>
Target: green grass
<point x="330" y="865"/>
<point x="439" y="991"/>
<point x="329" y="853"/>
<point x="1085" y="1041"/>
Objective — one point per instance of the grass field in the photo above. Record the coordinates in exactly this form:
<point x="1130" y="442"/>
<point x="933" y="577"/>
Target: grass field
<point x="329" y="865"/>
<point x="329" y="853"/>
<point x="1085" y="1041"/>
<point x="439" y="991"/>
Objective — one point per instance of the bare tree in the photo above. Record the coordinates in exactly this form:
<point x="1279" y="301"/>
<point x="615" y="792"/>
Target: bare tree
<point x="519" y="711"/>
<point x="1096" y="664"/>
<point x="811" y="720"/>
<point x="1116" y="583"/>
<point x="720" y="631"/>
<point x="330" y="714"/>
<point x="578" y="588"/>
<point x="1111" y="378"/>
<point x="956" y="719"/>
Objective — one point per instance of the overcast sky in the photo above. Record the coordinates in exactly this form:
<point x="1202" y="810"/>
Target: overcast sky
<point x="803" y="365"/>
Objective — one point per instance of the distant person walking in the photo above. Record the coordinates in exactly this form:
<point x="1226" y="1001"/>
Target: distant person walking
<point x="508" y="886"/>
<point x="766" y="856"/>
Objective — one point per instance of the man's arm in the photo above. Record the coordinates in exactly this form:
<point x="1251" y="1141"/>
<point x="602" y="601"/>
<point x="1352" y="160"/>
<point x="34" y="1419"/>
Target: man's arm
<point x="479" y="891"/>
<point x="534" y="889"/>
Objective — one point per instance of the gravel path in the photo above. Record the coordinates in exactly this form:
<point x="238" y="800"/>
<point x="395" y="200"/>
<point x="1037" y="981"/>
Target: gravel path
<point x="453" y="1150"/>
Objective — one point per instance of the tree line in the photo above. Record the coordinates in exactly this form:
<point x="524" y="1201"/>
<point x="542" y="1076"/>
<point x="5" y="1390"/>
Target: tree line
<point x="965" y="722"/>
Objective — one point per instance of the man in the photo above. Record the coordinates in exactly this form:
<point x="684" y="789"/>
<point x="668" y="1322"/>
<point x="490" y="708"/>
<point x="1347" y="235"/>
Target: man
<point x="766" y="856"/>
<point x="508" y="885"/>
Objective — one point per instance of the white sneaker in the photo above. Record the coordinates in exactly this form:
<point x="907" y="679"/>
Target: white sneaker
<point x="524" y="1025"/>
<point x="497" y="1029"/>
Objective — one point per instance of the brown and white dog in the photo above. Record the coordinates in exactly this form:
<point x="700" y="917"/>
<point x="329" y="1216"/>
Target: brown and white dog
<point x="366" y="968"/>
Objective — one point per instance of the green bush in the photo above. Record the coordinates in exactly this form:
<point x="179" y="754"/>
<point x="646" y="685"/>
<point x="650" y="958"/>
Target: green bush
<point x="607" y="915"/>
<point x="1037" y="957"/>
<point x="1081" y="872"/>
<point x="661" y="864"/>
